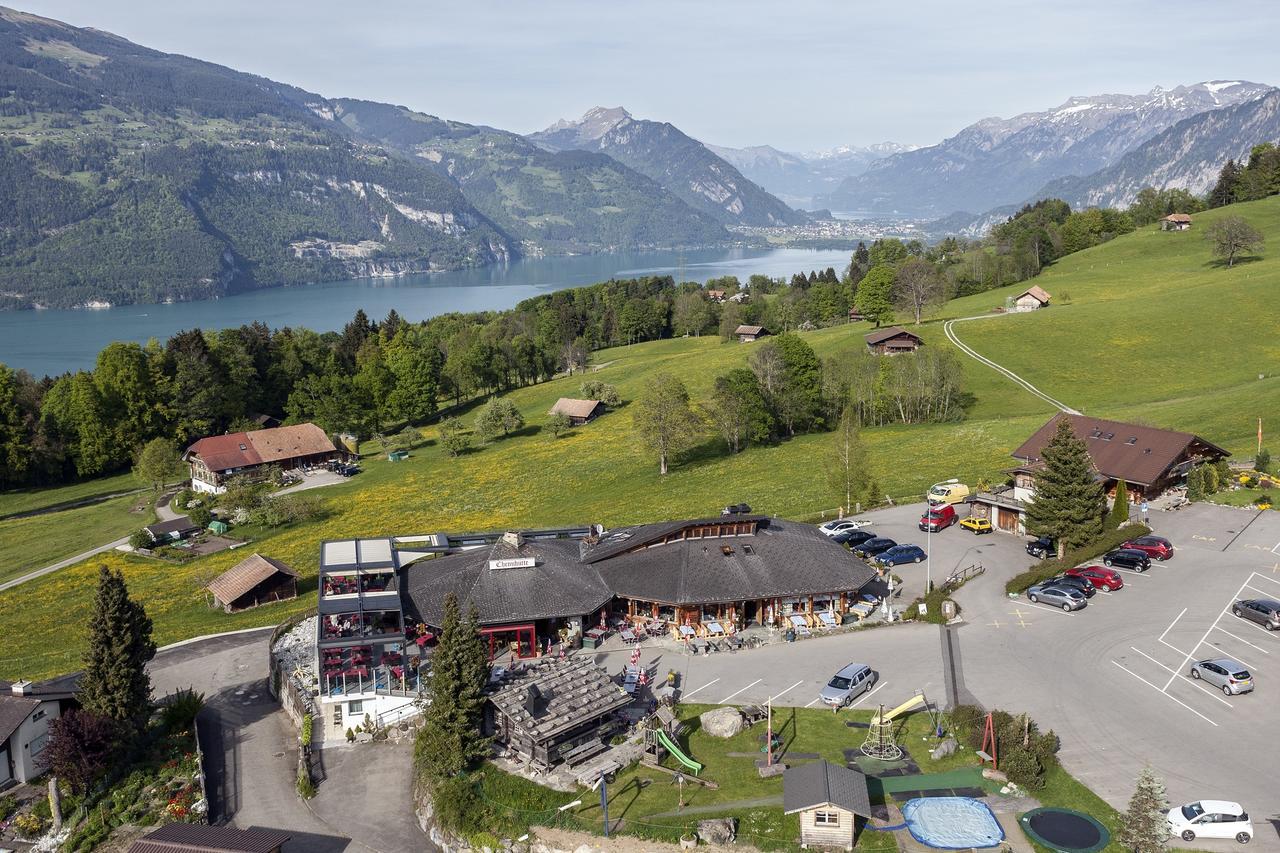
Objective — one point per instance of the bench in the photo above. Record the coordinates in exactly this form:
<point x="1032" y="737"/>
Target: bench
<point x="583" y="751"/>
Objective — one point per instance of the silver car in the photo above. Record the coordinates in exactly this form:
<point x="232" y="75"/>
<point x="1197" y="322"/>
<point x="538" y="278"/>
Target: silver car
<point x="846" y="685"/>
<point x="1054" y="595"/>
<point x="1264" y="611"/>
<point x="1229" y="675"/>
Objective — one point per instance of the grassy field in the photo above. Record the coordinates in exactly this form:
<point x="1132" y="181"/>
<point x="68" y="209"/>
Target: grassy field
<point x="31" y="543"/>
<point x="29" y="500"/>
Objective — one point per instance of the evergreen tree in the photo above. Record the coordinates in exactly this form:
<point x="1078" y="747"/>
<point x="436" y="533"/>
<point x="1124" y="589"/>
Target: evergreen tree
<point x="1069" y="504"/>
<point x="1119" y="506"/>
<point x="1145" y="827"/>
<point x="450" y="740"/>
<point x="1195" y="484"/>
<point x="15" y="443"/>
<point x="115" y="683"/>
<point x="1224" y="191"/>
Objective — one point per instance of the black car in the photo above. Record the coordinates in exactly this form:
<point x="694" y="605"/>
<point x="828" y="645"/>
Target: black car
<point x="874" y="546"/>
<point x="853" y="538"/>
<point x="1127" y="558"/>
<point x="1042" y="548"/>
<point x="1074" y="582"/>
<point x="736" y="509"/>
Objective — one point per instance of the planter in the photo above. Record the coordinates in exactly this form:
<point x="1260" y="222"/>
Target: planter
<point x="688" y="842"/>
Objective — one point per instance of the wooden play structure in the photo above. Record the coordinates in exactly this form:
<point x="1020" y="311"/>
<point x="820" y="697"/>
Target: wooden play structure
<point x="661" y="732"/>
<point x="880" y="742"/>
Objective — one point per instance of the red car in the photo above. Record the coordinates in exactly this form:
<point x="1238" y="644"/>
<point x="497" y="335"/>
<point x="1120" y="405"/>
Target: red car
<point x="1155" y="547"/>
<point x="1100" y="577"/>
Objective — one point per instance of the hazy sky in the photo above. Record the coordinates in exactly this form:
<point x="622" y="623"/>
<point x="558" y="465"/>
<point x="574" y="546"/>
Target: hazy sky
<point x="796" y="74"/>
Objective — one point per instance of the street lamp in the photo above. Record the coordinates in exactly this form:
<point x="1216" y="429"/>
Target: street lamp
<point x="928" y="536"/>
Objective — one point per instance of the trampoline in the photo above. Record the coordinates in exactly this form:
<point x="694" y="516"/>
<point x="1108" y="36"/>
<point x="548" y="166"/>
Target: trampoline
<point x="952" y="823"/>
<point x="1065" y="830"/>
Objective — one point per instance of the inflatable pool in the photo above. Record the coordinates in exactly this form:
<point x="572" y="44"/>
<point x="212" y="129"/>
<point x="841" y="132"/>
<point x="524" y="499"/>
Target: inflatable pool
<point x="952" y="823"/>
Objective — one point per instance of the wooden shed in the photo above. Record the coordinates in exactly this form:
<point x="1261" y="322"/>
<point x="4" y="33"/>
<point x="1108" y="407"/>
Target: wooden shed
<point x="893" y="340"/>
<point x="829" y="799"/>
<point x="747" y="334"/>
<point x="1176" y="222"/>
<point x="254" y="580"/>
<point x="577" y="411"/>
<point x="1034" y="297"/>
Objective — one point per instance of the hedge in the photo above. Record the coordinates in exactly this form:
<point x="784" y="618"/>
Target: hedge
<point x="1046" y="569"/>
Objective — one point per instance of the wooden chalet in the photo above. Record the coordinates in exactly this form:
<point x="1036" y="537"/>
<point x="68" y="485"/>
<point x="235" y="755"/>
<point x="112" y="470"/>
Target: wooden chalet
<point x="747" y="334"/>
<point x="1176" y="222"/>
<point x="198" y="838"/>
<point x="253" y="581"/>
<point x="893" y="340"/>
<point x="1031" y="299"/>
<point x="578" y="412"/>
<point x="214" y="459"/>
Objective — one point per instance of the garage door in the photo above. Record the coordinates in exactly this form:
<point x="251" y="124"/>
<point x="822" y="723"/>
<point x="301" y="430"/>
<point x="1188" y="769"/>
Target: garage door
<point x="1006" y="520"/>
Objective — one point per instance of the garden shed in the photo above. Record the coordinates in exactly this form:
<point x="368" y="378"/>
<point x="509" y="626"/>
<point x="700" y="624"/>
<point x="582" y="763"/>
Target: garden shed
<point x="829" y="799"/>
<point x="253" y="581"/>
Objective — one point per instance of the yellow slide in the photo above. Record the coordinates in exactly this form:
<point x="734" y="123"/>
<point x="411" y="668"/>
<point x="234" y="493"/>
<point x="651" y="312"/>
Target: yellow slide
<point x="883" y="717"/>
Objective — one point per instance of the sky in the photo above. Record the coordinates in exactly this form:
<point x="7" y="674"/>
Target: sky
<point x="801" y="75"/>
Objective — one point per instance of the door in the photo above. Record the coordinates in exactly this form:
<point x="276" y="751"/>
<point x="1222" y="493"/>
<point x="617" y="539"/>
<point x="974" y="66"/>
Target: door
<point x="1006" y="520"/>
<point x="5" y="773"/>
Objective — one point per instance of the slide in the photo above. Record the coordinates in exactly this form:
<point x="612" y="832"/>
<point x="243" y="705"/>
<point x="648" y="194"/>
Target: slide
<point x="671" y="747"/>
<point x="918" y="699"/>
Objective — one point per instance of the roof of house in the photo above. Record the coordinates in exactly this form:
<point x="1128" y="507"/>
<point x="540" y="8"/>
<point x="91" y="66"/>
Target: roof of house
<point x="173" y="525"/>
<point x="882" y="335"/>
<point x="1139" y="455"/>
<point x="713" y="294"/>
<point x="558" y="695"/>
<point x="1038" y="292"/>
<point x="748" y="330"/>
<point x="242" y="449"/>
<point x="13" y="711"/>
<point x="1178" y="217"/>
<point x="819" y="783"/>
<point x="245" y="575"/>
<point x="574" y="408"/>
<point x="59" y="687"/>
<point x="195" y="838"/>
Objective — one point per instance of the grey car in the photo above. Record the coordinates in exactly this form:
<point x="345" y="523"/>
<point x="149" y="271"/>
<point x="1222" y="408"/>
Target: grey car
<point x="1224" y="673"/>
<point x="1068" y="598"/>
<point x="1264" y="611"/>
<point x="846" y="685"/>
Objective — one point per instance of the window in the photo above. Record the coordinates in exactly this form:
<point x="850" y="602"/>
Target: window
<point x="1131" y="440"/>
<point x="355" y="707"/>
<point x="39" y="715"/>
<point x="37" y="746"/>
<point x="747" y="549"/>
<point x="826" y="818"/>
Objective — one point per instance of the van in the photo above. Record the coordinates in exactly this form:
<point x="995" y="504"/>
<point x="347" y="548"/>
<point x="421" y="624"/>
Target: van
<point x="938" y="517"/>
<point x="948" y="493"/>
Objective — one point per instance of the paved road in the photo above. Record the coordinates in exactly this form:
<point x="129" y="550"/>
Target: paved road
<point x="62" y="564"/>
<point x="948" y="328"/>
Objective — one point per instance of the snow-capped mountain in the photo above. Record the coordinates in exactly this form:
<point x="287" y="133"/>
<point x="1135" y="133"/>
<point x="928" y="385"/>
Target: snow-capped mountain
<point x="999" y="161"/>
<point x="799" y="178"/>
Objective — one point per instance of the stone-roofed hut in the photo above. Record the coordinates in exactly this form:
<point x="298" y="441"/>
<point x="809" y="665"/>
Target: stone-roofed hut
<point x="254" y="580"/>
<point x="829" y="799"/>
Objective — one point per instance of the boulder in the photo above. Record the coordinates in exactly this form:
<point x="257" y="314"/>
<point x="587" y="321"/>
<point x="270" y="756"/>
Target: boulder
<point x="994" y="775"/>
<point x="942" y="750"/>
<point x="718" y="830"/>
<point x="722" y="722"/>
<point x="767" y="770"/>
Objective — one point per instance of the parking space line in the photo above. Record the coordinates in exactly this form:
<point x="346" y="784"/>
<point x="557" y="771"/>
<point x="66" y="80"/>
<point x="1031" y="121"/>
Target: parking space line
<point x="703" y="687"/>
<point x="788" y="690"/>
<point x="1242" y="639"/>
<point x="1175" y="648"/>
<point x="1259" y="591"/>
<point x="867" y="695"/>
<point x="1050" y="609"/>
<point x="1158" y="690"/>
<point x="1264" y="578"/>
<point x="1255" y="626"/>
<point x="1205" y="636"/>
<point x="1171" y="624"/>
<point x="1186" y="678"/>
<point x="736" y="692"/>
<point x="812" y="702"/>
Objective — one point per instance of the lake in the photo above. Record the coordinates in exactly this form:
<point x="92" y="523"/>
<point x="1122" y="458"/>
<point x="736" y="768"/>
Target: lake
<point x="55" y="341"/>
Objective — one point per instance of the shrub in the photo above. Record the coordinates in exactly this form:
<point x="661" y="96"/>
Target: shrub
<point x="8" y="805"/>
<point x="306" y="788"/>
<point x="458" y="806"/>
<point x="1263" y="460"/>
<point x="200" y="515"/>
<point x="1046" y="569"/>
<point x="140" y="539"/>
<point x="179" y="713"/>
<point x="28" y="825"/>
<point x="307" y="724"/>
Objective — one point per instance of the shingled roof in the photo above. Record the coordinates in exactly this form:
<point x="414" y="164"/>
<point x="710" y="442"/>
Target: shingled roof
<point x="819" y="783"/>
<point x="245" y="575"/>
<point x="1038" y="292"/>
<point x="574" y="408"/>
<point x="557" y="696"/>
<point x="748" y="330"/>
<point x="882" y="335"/>
<point x="242" y="449"/>
<point x="13" y="710"/>
<point x="195" y="838"/>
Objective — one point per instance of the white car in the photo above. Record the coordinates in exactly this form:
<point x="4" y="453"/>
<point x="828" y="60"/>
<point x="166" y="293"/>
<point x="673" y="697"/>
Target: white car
<point x="831" y="528"/>
<point x="1211" y="819"/>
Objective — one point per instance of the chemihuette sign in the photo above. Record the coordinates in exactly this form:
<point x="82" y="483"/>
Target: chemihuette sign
<point x="522" y="563"/>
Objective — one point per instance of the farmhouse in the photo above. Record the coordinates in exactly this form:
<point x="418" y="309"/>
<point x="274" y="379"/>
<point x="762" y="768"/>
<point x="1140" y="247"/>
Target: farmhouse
<point x="747" y="334"/>
<point x="214" y="459"/>
<point x="893" y="340"/>
<point x="715" y="295"/>
<point x="855" y="316"/>
<point x="254" y="580"/>
<point x="26" y="711"/>
<point x="1149" y="460"/>
<point x="1176" y="222"/>
<point x="829" y="799"/>
<point x="1034" y="297"/>
<point x="578" y="412"/>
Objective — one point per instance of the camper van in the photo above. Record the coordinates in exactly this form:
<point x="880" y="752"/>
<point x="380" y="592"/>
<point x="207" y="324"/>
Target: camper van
<point x="948" y="493"/>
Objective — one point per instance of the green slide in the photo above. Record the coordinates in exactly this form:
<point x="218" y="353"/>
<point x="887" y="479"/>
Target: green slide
<point x="671" y="747"/>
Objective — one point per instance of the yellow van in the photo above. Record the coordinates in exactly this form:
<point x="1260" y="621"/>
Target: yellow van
<point x="948" y="493"/>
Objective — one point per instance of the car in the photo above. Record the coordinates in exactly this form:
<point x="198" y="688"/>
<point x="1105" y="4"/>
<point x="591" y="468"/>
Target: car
<point x="1127" y="558"/>
<point x="900" y="554"/>
<point x="852" y="538"/>
<point x="736" y="509"/>
<point x="1224" y="673"/>
<point x="938" y="517"/>
<point x="977" y="525"/>
<point x="1098" y="576"/>
<point x="1068" y="598"/>
<point x="1074" y="582"/>
<point x="846" y="685"/>
<point x="1155" y="547"/>
<point x="1211" y="819"/>
<point x="1264" y="611"/>
<point x="838" y="525"/>
<point x="874" y="546"/>
<point x="1042" y="547"/>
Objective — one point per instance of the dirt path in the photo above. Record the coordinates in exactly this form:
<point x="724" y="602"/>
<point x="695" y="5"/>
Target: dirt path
<point x="949" y="329"/>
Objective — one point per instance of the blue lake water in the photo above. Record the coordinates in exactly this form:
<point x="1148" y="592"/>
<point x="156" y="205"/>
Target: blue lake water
<point x="54" y="341"/>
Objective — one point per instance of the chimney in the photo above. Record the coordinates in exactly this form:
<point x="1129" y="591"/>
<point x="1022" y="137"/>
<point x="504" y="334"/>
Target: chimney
<point x="21" y="687"/>
<point x="513" y="538"/>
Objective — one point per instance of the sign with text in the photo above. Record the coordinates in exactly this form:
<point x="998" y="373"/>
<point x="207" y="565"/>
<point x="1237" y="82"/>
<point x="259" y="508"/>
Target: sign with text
<point x="522" y="563"/>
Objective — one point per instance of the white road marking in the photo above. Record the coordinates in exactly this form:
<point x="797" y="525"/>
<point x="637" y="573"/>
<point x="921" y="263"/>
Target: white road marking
<point x="1240" y="620"/>
<point x="867" y="695"/>
<point x="1264" y="578"/>
<point x="1193" y="682"/>
<point x="1158" y="690"/>
<point x="812" y="702"/>
<point x="788" y="690"/>
<point x="1258" y="591"/>
<point x="1046" y="607"/>
<point x="1171" y="624"/>
<point x="1209" y="631"/>
<point x="1275" y="549"/>
<point x="1243" y="640"/>
<point x="703" y="687"/>
<point x="736" y="692"/>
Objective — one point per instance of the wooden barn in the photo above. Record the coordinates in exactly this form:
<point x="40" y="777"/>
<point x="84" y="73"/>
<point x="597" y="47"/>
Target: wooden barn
<point x="578" y="412"/>
<point x="893" y="340"/>
<point x="747" y="334"/>
<point x="253" y="581"/>
<point x="1176" y="222"/>
<point x="1031" y="299"/>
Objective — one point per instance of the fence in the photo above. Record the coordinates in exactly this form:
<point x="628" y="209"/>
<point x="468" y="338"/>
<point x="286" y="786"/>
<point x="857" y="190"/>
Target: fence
<point x="200" y="776"/>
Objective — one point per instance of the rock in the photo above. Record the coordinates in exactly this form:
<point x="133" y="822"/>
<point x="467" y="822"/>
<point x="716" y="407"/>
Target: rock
<point x="994" y="775"/>
<point x="718" y="831"/>
<point x="942" y="750"/>
<point x="364" y="737"/>
<point x="767" y="770"/>
<point x="722" y="722"/>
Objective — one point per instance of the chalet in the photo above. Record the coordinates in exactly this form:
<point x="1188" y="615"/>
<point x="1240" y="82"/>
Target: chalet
<point x="1149" y="460"/>
<point x="747" y="334"/>
<point x="855" y="316"/>
<point x="1176" y="222"/>
<point x="741" y="297"/>
<point x="253" y="581"/>
<point x="173" y="530"/>
<point x="829" y="799"/>
<point x="578" y="412"/>
<point x="216" y="458"/>
<point x="715" y="295"/>
<point x="893" y="340"/>
<point x="198" y="838"/>
<point x="1031" y="299"/>
<point x="26" y="711"/>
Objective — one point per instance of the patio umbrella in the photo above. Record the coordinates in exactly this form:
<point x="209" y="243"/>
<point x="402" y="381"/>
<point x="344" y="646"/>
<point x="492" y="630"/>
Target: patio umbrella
<point x="644" y="677"/>
<point x="635" y="656"/>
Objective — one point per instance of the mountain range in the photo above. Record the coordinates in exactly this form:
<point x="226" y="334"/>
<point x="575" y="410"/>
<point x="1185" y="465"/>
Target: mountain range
<point x="799" y="179"/>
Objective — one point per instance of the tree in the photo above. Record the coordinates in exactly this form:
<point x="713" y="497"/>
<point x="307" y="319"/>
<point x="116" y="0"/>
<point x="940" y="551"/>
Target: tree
<point x="415" y="363"/>
<point x="797" y="398"/>
<point x="453" y="436"/>
<point x="80" y="747"/>
<point x="1262" y="461"/>
<point x="875" y="295"/>
<point x="15" y="442"/>
<point x="499" y="415"/>
<point x="690" y="314"/>
<point x="1119" y="506"/>
<point x="1145" y="827"/>
<point x="918" y="286"/>
<point x="558" y="424"/>
<point x="157" y="463"/>
<point x="848" y="471"/>
<point x="1231" y="237"/>
<point x="450" y="740"/>
<point x="594" y="389"/>
<point x="1069" y="503"/>
<point x="664" y="419"/>
<point x="1195" y="484"/>
<point x="1224" y="190"/>
<point x="115" y="684"/>
<point x="738" y="409"/>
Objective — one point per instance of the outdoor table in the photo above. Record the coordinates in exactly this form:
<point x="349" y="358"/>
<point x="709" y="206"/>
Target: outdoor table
<point x="713" y="627"/>
<point x="628" y="636"/>
<point x="687" y="632"/>
<point x="597" y="633"/>
<point x="699" y="645"/>
<point x="827" y="619"/>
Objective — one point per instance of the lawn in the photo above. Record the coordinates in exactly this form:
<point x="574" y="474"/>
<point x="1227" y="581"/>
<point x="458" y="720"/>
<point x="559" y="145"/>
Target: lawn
<point x="31" y="543"/>
<point x="28" y="500"/>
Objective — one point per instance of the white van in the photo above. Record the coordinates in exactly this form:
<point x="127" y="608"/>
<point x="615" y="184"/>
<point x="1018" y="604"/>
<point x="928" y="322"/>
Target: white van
<point x="948" y="493"/>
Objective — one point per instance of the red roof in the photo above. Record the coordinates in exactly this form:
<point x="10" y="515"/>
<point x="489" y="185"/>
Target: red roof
<point x="242" y="449"/>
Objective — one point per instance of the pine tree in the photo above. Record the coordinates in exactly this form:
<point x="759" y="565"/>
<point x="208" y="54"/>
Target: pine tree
<point x="1145" y="827"/>
<point x="1120" y="506"/>
<point x="450" y="740"/>
<point x="1224" y="191"/>
<point x="115" y="684"/>
<point x="1069" y="503"/>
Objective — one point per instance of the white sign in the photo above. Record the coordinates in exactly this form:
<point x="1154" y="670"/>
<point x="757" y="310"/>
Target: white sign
<point x="522" y="563"/>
